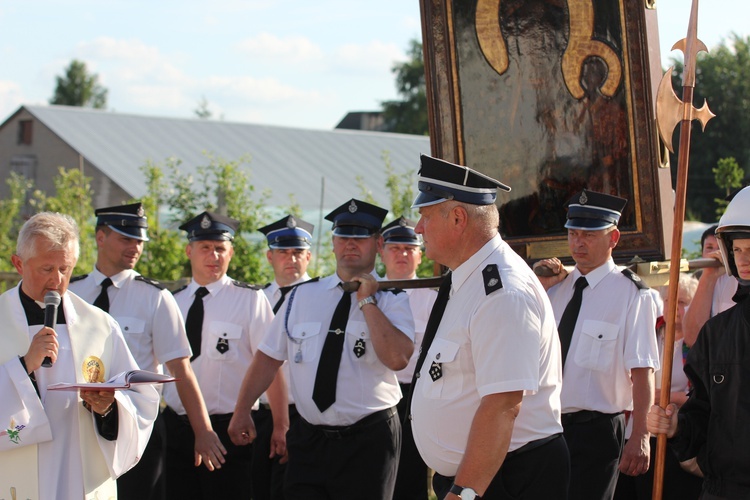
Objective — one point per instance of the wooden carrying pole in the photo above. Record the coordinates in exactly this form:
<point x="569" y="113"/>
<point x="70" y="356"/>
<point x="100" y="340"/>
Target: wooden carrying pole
<point x="670" y="112"/>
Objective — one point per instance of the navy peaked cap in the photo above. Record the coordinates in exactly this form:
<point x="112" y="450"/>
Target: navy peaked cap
<point x="401" y="231"/>
<point x="439" y="181"/>
<point x="289" y="232"/>
<point x="589" y="210"/>
<point x="128" y="220"/>
<point x="210" y="226"/>
<point x="357" y="219"/>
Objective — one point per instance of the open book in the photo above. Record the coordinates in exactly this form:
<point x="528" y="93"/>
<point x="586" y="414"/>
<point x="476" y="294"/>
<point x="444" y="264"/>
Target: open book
<point x="123" y="380"/>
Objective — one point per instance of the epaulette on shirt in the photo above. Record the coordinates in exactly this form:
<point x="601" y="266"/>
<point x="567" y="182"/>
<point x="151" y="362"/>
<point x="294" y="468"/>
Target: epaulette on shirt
<point x="491" y="278"/>
<point x="78" y="278"/>
<point x="150" y="281"/>
<point x="637" y="281"/>
<point x="242" y="284"/>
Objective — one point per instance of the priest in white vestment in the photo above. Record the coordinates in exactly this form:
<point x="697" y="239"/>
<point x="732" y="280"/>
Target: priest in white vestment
<point x="63" y="444"/>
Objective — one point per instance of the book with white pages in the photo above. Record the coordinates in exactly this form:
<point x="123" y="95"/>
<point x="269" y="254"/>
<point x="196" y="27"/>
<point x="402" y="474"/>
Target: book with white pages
<point x="121" y="381"/>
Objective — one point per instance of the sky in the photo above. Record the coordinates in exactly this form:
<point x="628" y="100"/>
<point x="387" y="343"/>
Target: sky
<point x="295" y="63"/>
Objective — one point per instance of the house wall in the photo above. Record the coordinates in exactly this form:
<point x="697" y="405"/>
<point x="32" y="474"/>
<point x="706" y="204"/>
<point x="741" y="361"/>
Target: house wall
<point x="41" y="159"/>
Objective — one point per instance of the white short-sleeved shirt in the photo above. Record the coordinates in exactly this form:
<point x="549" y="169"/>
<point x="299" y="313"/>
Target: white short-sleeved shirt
<point x="421" y="301"/>
<point x="364" y="384"/>
<point x="726" y="287"/>
<point x="147" y="314"/>
<point x="233" y="312"/>
<point x="490" y="340"/>
<point x="615" y="332"/>
<point x="273" y="294"/>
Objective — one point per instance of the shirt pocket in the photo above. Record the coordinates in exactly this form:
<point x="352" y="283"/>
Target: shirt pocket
<point x="306" y="342"/>
<point x="223" y="340"/>
<point x="596" y="345"/>
<point x="443" y="353"/>
<point x="134" y="331"/>
<point x="358" y="342"/>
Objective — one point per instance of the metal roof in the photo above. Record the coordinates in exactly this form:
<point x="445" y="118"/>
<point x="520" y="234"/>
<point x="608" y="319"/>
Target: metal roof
<point x="283" y="160"/>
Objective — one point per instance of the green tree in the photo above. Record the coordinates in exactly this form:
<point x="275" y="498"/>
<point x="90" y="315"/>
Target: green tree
<point x="224" y="187"/>
<point x="73" y="197"/>
<point x="163" y="255"/>
<point x="10" y="217"/>
<point x="728" y="176"/>
<point x="401" y="194"/>
<point x="408" y="115"/>
<point x="79" y="88"/>
<point x="202" y="111"/>
<point x="723" y="79"/>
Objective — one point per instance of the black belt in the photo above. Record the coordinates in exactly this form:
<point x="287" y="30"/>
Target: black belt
<point x="532" y="445"/>
<point x="267" y="407"/>
<point x="583" y="416"/>
<point x="340" y="432"/>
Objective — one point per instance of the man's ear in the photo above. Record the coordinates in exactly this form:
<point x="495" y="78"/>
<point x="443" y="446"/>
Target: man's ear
<point x="17" y="263"/>
<point x="614" y="238"/>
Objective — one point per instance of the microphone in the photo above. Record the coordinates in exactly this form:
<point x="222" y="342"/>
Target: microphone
<point x="51" y="301"/>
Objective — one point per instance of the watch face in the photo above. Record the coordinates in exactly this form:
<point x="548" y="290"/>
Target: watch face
<point x="468" y="494"/>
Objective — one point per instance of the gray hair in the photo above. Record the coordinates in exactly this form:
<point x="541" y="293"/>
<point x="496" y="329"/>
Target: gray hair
<point x="687" y="282"/>
<point x="58" y="229"/>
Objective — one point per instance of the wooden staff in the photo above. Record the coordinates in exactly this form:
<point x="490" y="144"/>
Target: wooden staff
<point x="699" y="263"/>
<point x="671" y="111"/>
<point x="353" y="286"/>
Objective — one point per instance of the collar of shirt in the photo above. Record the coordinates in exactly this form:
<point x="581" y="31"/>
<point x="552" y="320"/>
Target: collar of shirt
<point x="462" y="272"/>
<point x="213" y="288"/>
<point x="597" y="275"/>
<point x="118" y="280"/>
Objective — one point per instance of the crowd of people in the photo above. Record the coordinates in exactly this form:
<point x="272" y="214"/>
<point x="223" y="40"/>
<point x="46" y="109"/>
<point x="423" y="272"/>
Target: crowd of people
<point x="499" y="385"/>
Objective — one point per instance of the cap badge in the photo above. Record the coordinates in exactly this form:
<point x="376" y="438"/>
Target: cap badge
<point x="205" y="222"/>
<point x="402" y="222"/>
<point x="291" y="223"/>
<point x="352" y="207"/>
<point x="583" y="199"/>
<point x="141" y="213"/>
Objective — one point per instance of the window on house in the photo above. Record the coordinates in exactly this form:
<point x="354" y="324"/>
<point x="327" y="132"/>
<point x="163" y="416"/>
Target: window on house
<point x="24" y="131"/>
<point x="24" y="165"/>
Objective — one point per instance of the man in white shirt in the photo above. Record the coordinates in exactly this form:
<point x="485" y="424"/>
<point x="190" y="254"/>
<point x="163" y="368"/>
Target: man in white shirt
<point x="486" y="400"/>
<point x="606" y="321"/>
<point x="343" y="352"/>
<point x="225" y="321"/>
<point x="401" y="254"/>
<point x="155" y="332"/>
<point x="289" y="240"/>
<point x="52" y="444"/>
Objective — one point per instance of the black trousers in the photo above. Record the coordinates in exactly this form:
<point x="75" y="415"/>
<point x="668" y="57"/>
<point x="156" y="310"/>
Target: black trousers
<point x="541" y="473"/>
<point x="267" y="473"/>
<point x="354" y="462"/>
<point x="147" y="480"/>
<point x="595" y="441"/>
<point x="678" y="483"/>
<point x="185" y="481"/>
<point x="411" y="479"/>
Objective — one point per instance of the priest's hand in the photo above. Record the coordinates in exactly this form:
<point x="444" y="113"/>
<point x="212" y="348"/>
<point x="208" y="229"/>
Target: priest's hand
<point x="100" y="402"/>
<point x="43" y="344"/>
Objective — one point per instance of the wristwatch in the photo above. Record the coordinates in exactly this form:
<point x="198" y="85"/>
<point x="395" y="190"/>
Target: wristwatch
<point x="464" y="493"/>
<point x="367" y="300"/>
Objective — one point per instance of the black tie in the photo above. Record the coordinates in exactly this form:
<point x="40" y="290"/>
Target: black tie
<point x="283" y="291"/>
<point x="570" y="316"/>
<point x="432" y="324"/>
<point x="324" y="391"/>
<point x="194" y="322"/>
<point x="102" y="301"/>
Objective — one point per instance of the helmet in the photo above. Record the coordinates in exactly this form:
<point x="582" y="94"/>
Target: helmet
<point x="734" y="224"/>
